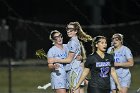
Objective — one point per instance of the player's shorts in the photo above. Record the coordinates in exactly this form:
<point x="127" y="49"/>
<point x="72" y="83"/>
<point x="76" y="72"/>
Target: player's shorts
<point x="91" y="89"/>
<point x="67" y="79"/>
<point x="125" y="80"/>
<point x="59" y="78"/>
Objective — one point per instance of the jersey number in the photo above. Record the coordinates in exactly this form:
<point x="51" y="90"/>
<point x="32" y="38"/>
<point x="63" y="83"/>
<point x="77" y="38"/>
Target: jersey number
<point x="104" y="71"/>
<point x="116" y="59"/>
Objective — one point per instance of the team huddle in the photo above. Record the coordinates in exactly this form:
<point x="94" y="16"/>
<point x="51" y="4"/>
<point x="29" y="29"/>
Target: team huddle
<point x="109" y="71"/>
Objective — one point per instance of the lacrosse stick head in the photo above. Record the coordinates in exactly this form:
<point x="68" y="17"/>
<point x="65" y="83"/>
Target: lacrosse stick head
<point x="41" y="54"/>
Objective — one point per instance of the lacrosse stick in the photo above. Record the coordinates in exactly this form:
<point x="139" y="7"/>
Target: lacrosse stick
<point x="72" y="78"/>
<point x="41" y="54"/>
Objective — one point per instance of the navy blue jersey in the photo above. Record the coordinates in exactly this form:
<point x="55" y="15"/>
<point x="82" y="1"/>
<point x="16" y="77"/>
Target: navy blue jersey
<point x="100" y="70"/>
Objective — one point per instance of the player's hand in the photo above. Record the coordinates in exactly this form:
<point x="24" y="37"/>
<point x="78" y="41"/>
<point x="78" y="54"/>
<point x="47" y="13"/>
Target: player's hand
<point x="119" y="89"/>
<point x="56" y="66"/>
<point x="79" y="57"/>
<point x="75" y="88"/>
<point x="82" y="65"/>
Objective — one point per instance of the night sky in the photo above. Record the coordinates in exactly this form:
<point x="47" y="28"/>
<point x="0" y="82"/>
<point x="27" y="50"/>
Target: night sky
<point x="64" y="11"/>
<point x="61" y="11"/>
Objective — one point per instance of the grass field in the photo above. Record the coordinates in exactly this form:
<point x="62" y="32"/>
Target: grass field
<point x="25" y="79"/>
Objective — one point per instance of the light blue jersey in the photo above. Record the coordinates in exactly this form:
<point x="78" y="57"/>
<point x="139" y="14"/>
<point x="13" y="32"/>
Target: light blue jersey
<point x="58" y="76"/>
<point x="75" y="66"/>
<point x="74" y="46"/>
<point x="122" y="55"/>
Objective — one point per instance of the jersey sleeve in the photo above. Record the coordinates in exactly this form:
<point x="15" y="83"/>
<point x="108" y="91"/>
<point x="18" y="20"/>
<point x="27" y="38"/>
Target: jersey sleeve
<point x="128" y="53"/>
<point x="72" y="46"/>
<point x="50" y="53"/>
<point x="88" y="62"/>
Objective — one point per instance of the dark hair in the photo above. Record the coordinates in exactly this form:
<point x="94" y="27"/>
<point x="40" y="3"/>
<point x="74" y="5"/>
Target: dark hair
<point x="95" y="41"/>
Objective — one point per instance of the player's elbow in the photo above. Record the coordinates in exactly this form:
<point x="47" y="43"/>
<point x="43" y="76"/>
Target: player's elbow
<point x="132" y="64"/>
<point x="50" y="66"/>
<point x="113" y="71"/>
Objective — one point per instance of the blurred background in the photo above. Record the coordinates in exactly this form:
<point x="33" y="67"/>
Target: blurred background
<point x="25" y="26"/>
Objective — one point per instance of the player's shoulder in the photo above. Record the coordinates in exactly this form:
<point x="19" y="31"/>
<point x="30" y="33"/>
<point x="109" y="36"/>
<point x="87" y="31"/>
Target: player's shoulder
<point x="71" y="41"/>
<point x="110" y="48"/>
<point x="65" y="45"/>
<point x="92" y="55"/>
<point x="52" y="48"/>
<point x="125" y="48"/>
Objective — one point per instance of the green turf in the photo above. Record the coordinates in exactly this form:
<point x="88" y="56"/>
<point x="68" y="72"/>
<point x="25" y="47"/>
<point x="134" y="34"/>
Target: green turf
<point x="135" y="77"/>
<point x="26" y="79"/>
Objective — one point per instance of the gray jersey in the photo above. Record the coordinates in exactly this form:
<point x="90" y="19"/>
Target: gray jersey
<point x="58" y="76"/>
<point x="55" y="52"/>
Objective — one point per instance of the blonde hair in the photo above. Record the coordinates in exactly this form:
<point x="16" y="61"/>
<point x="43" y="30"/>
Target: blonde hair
<point x="119" y="36"/>
<point x="80" y="33"/>
<point x="83" y="52"/>
<point x="51" y="37"/>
